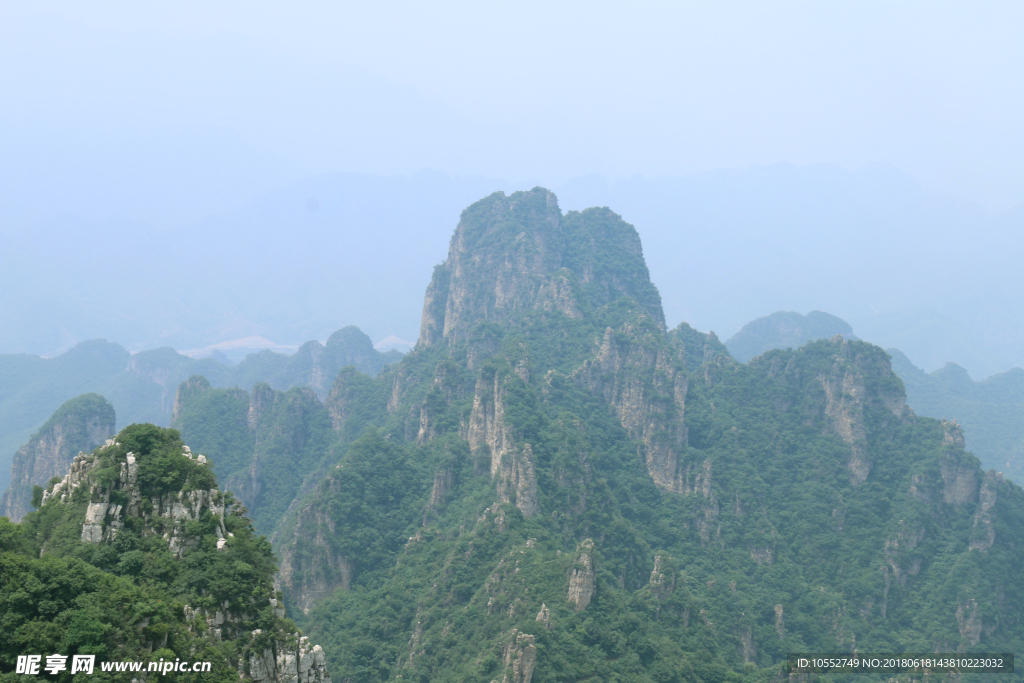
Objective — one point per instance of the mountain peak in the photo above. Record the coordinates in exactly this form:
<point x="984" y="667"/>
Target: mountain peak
<point x="512" y="255"/>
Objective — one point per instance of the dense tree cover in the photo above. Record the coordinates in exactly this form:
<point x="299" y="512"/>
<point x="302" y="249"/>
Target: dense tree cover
<point x="991" y="411"/>
<point x="804" y="508"/>
<point x="786" y="528"/>
<point x="262" y="444"/>
<point x="811" y="511"/>
<point x="126" y="599"/>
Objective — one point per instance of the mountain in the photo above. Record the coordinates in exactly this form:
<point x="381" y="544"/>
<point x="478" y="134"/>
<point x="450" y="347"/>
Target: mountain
<point x="991" y="411"/>
<point x="81" y="424"/>
<point x="553" y="485"/>
<point x="135" y="555"/>
<point x="785" y="329"/>
<point x="142" y="386"/>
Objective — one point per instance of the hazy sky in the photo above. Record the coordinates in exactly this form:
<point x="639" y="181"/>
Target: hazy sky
<point x="864" y="158"/>
<point x="257" y="92"/>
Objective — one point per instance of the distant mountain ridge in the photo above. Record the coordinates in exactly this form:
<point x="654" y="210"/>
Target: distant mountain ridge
<point x="142" y="386"/>
<point x="785" y="329"/>
<point x="991" y="411"/>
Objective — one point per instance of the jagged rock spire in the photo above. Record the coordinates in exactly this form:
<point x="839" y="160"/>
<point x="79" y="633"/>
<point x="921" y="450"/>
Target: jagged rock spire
<point x="517" y="253"/>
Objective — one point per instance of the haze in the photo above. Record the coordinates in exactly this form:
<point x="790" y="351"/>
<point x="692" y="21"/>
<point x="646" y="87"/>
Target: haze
<point x="185" y="174"/>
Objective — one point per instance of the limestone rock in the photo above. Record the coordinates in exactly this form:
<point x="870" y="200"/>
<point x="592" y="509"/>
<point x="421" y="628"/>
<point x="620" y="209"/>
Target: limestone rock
<point x="969" y="621"/>
<point x="80" y="424"/>
<point x="581" y="578"/>
<point x="984" y="533"/>
<point x="519" y="657"/>
<point x="846" y="396"/>
<point x="644" y="381"/>
<point x="511" y="255"/>
<point x="510" y="464"/>
<point x="306" y="577"/>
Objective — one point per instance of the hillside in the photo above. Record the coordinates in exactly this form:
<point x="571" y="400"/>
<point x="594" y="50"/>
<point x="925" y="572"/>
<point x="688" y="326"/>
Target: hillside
<point x="81" y="424"/>
<point x="554" y="486"/>
<point x="136" y="555"/>
<point x="991" y="412"/>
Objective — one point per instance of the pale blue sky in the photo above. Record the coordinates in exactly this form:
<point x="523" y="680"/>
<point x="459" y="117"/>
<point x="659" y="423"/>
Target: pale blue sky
<point x="523" y="90"/>
<point x="156" y="161"/>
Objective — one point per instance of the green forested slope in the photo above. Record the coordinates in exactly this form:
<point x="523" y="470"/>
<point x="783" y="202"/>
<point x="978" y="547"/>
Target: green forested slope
<point x="551" y="486"/>
<point x="137" y="556"/>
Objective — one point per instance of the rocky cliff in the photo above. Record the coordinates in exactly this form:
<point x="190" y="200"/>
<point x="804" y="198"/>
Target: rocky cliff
<point x="264" y="443"/>
<point x="80" y="424"/>
<point x="145" y="497"/>
<point x="553" y="485"/>
<point x="514" y="255"/>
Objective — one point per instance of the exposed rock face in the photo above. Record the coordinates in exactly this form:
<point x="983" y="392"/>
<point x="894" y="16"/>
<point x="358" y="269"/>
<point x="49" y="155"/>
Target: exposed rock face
<point x="960" y="479"/>
<point x="644" y="381"/>
<point x="169" y="515"/>
<point x="581" y="578"/>
<point x="846" y="397"/>
<point x="81" y="424"/>
<point x="104" y="519"/>
<point x="443" y="480"/>
<point x="969" y="621"/>
<point x="520" y="658"/>
<point x="984" y="533"/>
<point x="313" y="575"/>
<point x="304" y="664"/>
<point x="895" y="549"/>
<point x="444" y="390"/>
<point x="544" y="616"/>
<point x="511" y="255"/>
<point x="489" y="434"/>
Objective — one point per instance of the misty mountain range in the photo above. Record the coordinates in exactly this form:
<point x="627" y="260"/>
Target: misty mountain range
<point x="142" y="386"/>
<point x="925" y="273"/>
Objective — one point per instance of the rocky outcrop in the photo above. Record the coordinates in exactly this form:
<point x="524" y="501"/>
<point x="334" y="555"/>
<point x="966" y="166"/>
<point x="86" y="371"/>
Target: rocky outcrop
<point x="519" y="657"/>
<point x="443" y="480"/>
<point x="643" y="379"/>
<point x="311" y="569"/>
<point x="491" y="437"/>
<point x="959" y="478"/>
<point x="167" y="514"/>
<point x="854" y="366"/>
<point x="444" y="390"/>
<point x="983" y="535"/>
<point x="281" y="664"/>
<point x="112" y="504"/>
<point x="969" y="621"/>
<point x="81" y="424"/>
<point x="544" y="616"/>
<point x="581" y="577"/>
<point x="511" y="255"/>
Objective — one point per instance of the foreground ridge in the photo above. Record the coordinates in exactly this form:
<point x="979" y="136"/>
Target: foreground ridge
<point x="142" y="517"/>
